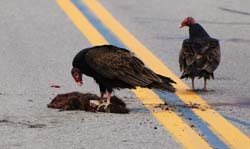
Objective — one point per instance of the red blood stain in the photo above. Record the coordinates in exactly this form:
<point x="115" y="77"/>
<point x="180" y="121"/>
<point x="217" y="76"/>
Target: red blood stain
<point x="55" y="86"/>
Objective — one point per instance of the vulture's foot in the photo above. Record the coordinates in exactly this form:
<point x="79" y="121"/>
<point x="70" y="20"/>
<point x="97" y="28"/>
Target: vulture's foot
<point x="104" y="107"/>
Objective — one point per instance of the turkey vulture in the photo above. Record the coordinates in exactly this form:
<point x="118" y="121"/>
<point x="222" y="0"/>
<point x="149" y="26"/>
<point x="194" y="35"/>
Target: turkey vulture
<point x="200" y="54"/>
<point x="116" y="68"/>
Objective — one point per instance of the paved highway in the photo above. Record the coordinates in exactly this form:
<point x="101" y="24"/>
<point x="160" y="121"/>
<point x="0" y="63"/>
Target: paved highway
<point x="40" y="38"/>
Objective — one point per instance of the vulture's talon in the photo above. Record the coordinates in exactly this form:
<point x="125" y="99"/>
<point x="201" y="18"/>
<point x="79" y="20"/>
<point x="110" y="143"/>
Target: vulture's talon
<point x="104" y="107"/>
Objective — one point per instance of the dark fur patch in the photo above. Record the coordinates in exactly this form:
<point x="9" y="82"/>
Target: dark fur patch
<point x="80" y="101"/>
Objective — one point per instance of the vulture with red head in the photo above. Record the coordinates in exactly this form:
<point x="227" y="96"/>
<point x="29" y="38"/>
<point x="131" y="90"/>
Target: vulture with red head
<point x="200" y="54"/>
<point x="116" y="68"/>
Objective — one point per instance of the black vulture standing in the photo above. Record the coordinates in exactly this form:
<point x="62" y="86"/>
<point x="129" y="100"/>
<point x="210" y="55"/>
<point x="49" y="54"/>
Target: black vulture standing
<point x="116" y="68"/>
<point x="200" y="54"/>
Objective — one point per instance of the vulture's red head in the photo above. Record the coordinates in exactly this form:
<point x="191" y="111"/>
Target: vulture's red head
<point x="77" y="75"/>
<point x="187" y="22"/>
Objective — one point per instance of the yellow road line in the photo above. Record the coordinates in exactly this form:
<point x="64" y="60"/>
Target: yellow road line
<point x="82" y="23"/>
<point x="225" y="130"/>
<point x="183" y="133"/>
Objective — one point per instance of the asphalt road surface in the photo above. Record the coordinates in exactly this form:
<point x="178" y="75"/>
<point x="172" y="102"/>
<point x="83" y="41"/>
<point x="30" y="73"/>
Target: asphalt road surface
<point x="38" y="42"/>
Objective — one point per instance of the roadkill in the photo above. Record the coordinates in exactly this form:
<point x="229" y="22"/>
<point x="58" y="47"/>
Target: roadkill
<point x="87" y="102"/>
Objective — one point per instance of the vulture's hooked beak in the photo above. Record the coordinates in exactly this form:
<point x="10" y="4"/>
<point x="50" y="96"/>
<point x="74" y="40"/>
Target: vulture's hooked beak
<point x="79" y="83"/>
<point x="181" y="25"/>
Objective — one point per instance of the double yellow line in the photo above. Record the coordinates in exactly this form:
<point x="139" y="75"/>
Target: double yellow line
<point x="183" y="133"/>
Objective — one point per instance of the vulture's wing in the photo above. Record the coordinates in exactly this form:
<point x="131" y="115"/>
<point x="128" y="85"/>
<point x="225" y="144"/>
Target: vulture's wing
<point x="120" y="64"/>
<point x="186" y="55"/>
<point x="214" y="56"/>
<point x="201" y="53"/>
<point x="207" y="51"/>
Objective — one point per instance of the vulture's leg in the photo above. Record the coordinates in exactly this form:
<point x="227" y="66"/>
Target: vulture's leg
<point x="108" y="97"/>
<point x="108" y="100"/>
<point x="102" y="94"/>
<point x="205" y="85"/>
<point x="102" y="97"/>
<point x="102" y="91"/>
<point x="193" y="84"/>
